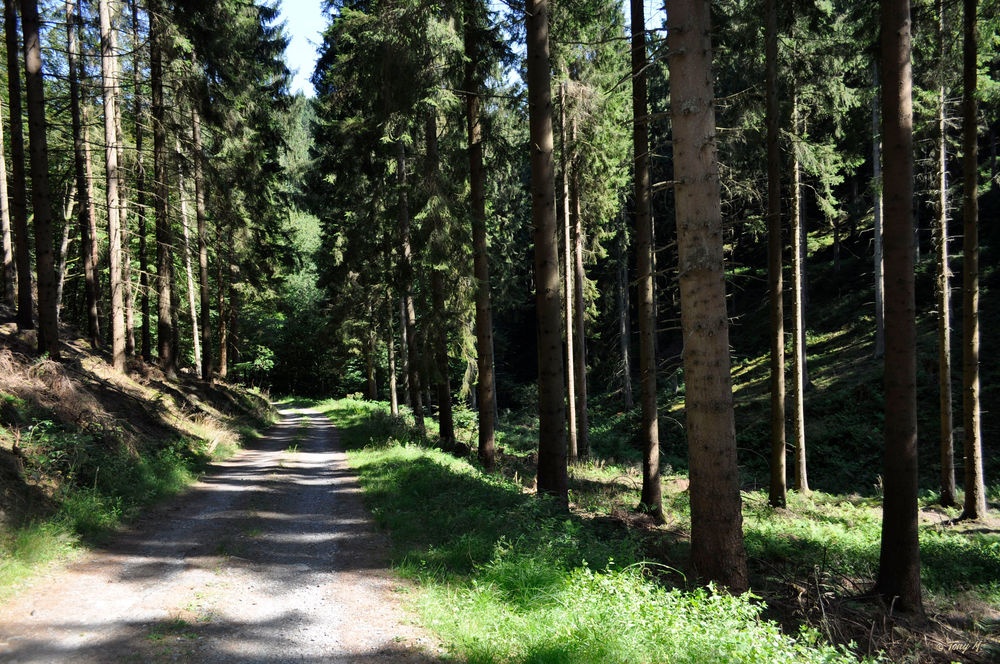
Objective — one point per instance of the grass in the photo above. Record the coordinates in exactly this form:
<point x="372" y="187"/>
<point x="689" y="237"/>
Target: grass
<point x="506" y="576"/>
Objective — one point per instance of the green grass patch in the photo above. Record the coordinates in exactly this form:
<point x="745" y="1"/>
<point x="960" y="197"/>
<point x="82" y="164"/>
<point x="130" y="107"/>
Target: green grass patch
<point x="93" y="483"/>
<point x="509" y="577"/>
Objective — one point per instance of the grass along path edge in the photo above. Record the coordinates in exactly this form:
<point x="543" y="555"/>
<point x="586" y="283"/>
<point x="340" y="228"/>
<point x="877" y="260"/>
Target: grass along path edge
<point x="504" y="576"/>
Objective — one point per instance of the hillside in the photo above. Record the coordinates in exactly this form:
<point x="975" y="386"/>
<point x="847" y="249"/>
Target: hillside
<point x="82" y="448"/>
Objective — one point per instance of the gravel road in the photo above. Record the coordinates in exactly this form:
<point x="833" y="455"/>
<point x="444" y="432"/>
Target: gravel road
<point x="270" y="558"/>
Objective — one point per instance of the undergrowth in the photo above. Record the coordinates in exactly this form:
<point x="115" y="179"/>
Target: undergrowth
<point x="76" y="463"/>
<point x="506" y="576"/>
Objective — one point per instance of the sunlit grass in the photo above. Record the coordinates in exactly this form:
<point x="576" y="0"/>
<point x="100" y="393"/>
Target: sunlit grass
<point x="506" y="576"/>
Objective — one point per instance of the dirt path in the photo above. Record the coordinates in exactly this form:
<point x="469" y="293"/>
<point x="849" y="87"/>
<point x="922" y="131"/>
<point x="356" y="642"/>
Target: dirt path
<point x="270" y="558"/>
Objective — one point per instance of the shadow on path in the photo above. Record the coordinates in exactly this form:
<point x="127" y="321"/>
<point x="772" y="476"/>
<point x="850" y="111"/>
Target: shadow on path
<point x="271" y="557"/>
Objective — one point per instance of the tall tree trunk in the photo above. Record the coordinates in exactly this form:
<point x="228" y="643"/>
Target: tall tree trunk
<point x="233" y="310"/>
<point x="126" y="254"/>
<point x="446" y="421"/>
<point x="391" y="348"/>
<point x="553" y="477"/>
<point x="404" y="346"/>
<point x="69" y="203"/>
<point x="571" y="443"/>
<point x="48" y="323"/>
<point x="84" y="207"/>
<point x="944" y="289"/>
<point x="899" y="563"/>
<point x="473" y="16"/>
<point x="371" y="344"/>
<point x="975" y="490"/>
<point x="879" y="259"/>
<point x="716" y="516"/>
<point x="579" y="327"/>
<point x="202" y="218"/>
<point x="223" y="284"/>
<point x="9" y="267"/>
<point x="164" y="239"/>
<point x="624" y="328"/>
<point x="800" y="375"/>
<point x="88" y="168"/>
<point x="145" y="342"/>
<point x="406" y="276"/>
<point x="19" y="187"/>
<point x="649" y="430"/>
<point x="775" y="245"/>
<point x="186" y="228"/>
<point x="109" y="76"/>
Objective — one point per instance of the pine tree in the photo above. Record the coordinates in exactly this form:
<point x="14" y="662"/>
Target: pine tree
<point x="109" y="76"/>
<point x="552" y="473"/>
<point x="18" y="185"/>
<point x="48" y="320"/>
<point x="775" y="246"/>
<point x="716" y="517"/>
<point x="652" y="490"/>
<point x="899" y="562"/>
<point x="473" y="11"/>
<point x="84" y="208"/>
<point x="975" y="493"/>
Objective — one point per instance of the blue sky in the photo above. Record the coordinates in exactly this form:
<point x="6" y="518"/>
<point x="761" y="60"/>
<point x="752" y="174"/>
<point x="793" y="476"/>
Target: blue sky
<point x="303" y="24"/>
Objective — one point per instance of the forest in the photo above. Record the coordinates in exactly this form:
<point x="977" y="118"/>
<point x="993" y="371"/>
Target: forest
<point x="743" y="243"/>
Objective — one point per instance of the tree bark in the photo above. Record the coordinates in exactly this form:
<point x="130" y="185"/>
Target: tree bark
<point x="202" y="220"/>
<point x="18" y="161"/>
<point x="944" y="290"/>
<point x="579" y="324"/>
<point x="391" y="349"/>
<point x="223" y="284"/>
<point x="579" y="327"/>
<point x="109" y="77"/>
<point x="446" y="420"/>
<point x="624" y="327"/>
<point x="126" y="254"/>
<point x="481" y="266"/>
<point x="9" y="267"/>
<point x="799" y="347"/>
<point x="164" y="239"/>
<point x="145" y="342"/>
<point x="899" y="562"/>
<point x="48" y="323"/>
<point x="716" y="517"/>
<point x="571" y="442"/>
<point x="63" y="256"/>
<point x="879" y="262"/>
<point x="188" y="269"/>
<point x="975" y="490"/>
<point x="649" y="430"/>
<point x="84" y="207"/>
<point x="406" y="276"/>
<point x="552" y="472"/>
<point x="778" y="487"/>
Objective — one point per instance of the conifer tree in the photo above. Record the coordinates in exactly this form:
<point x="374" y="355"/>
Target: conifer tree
<point x="899" y="562"/>
<point x="48" y="320"/>
<point x="552" y="473"/>
<point x="18" y="184"/>
<point x="716" y="519"/>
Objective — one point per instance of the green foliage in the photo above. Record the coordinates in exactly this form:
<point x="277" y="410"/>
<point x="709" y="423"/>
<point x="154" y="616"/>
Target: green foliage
<point x="509" y="577"/>
<point x="101" y="481"/>
<point x="26" y="548"/>
<point x="614" y="616"/>
<point x="76" y="484"/>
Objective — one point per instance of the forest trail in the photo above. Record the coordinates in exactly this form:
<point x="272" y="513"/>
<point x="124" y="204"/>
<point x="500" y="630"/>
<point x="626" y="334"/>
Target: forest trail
<point x="271" y="557"/>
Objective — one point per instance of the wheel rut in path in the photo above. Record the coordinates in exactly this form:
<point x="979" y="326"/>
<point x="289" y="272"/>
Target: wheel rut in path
<point x="271" y="557"/>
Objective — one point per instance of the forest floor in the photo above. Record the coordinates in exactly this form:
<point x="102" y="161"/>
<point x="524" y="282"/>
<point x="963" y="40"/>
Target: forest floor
<point x="271" y="557"/>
